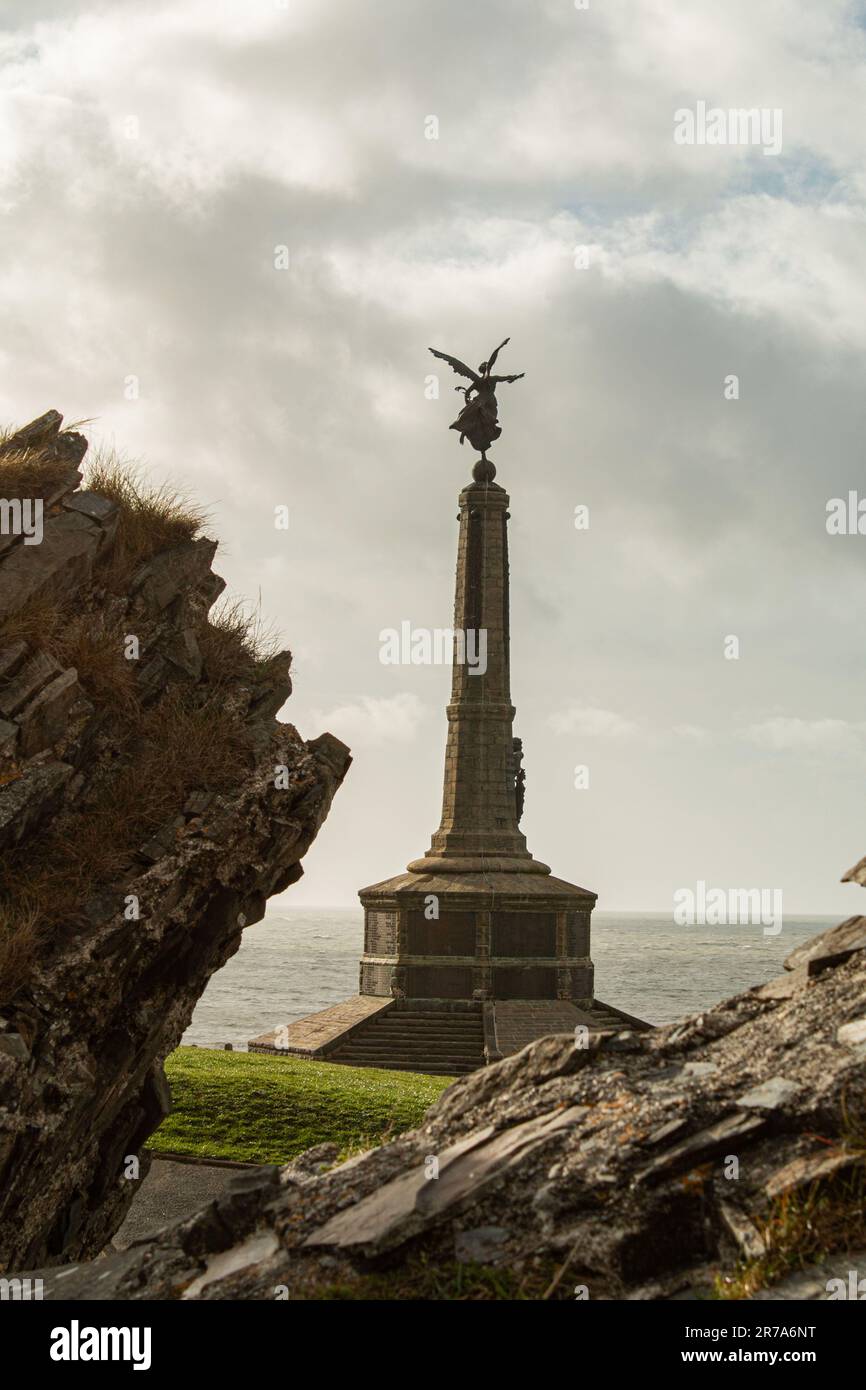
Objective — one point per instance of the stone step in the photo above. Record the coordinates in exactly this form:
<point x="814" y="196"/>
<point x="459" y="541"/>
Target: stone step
<point x="417" y="1048"/>
<point x="428" y="1034"/>
<point x="416" y="1060"/>
<point x="438" y="1015"/>
<point x="413" y="1040"/>
<point x="419" y="1045"/>
<point x="411" y="1051"/>
<point x="416" y="1035"/>
<point x="410" y="1054"/>
<point x="409" y="1021"/>
<point x="431" y="1070"/>
<point x="436" y="1025"/>
<point x="448" y="1020"/>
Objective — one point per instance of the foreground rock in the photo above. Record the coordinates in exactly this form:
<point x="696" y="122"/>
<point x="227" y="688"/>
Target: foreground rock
<point x="636" y="1167"/>
<point x="96" y="999"/>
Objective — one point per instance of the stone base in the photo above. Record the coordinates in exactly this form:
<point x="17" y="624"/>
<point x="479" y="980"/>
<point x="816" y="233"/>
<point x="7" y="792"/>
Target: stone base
<point x="516" y="1023"/>
<point x="460" y="969"/>
<point x="318" y="1034"/>
<point x="442" y="1037"/>
<point x="481" y="934"/>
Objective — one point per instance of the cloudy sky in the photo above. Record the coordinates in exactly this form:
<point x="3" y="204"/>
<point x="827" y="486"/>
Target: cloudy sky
<point x="152" y="161"/>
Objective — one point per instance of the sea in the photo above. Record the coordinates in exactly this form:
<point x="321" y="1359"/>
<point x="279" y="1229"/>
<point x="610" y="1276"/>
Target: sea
<point x="297" y="961"/>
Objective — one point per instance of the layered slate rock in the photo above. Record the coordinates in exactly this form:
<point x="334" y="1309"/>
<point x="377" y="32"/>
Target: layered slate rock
<point x="84" y="1032"/>
<point x="608" y="1166"/>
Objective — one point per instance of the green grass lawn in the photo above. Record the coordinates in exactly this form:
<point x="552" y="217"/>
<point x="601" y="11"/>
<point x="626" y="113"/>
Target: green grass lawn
<point x="251" y="1107"/>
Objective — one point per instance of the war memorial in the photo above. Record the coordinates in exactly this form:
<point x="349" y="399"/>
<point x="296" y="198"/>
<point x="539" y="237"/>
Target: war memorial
<point x="476" y="949"/>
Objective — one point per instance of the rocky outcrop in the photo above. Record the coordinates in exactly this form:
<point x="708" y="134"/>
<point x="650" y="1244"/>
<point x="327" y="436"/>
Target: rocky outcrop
<point x="150" y="803"/>
<point x="635" y="1167"/>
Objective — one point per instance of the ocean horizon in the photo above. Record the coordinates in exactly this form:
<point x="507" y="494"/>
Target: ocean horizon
<point x="297" y="961"/>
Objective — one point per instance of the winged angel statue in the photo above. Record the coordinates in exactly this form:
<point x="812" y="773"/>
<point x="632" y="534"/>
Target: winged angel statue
<point x="478" y="420"/>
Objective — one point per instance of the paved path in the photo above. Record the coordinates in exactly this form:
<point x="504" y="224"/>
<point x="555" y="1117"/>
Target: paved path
<point x="171" y="1190"/>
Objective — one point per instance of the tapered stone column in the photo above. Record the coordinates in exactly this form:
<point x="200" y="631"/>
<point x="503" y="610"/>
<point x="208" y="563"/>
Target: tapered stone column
<point x="479" y="827"/>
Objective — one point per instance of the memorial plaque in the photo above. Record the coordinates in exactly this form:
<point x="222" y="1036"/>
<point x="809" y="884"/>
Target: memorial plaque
<point x="375" y="979"/>
<point x="577" y="933"/>
<point x="439" y="982"/>
<point x="451" y="934"/>
<point x="380" y="933"/>
<point x="582" y="983"/>
<point x="524" y="982"/>
<point x="523" y="934"/>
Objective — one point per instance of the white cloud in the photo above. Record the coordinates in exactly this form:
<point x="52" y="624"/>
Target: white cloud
<point x="804" y="263"/>
<point x="819" y="736"/>
<point x="691" y="733"/>
<point x="589" y="722"/>
<point x="368" y="720"/>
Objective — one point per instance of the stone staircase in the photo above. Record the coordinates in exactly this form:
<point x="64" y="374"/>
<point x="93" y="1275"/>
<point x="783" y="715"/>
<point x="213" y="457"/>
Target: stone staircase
<point x="604" y="1018"/>
<point x="519" y="1022"/>
<point x="417" y="1036"/>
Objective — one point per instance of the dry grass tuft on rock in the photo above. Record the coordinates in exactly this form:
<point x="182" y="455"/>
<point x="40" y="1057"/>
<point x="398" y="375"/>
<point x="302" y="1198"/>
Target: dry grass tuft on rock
<point x="149" y="520"/>
<point x="36" y="461"/>
<point x="236" y="641"/>
<point x="93" y="644"/>
<point x="37" y="622"/>
<point x="803" y="1229"/>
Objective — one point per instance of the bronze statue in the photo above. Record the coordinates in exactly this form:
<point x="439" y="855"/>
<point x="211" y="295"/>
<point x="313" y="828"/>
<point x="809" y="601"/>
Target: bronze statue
<point x="478" y="420"/>
<point x="519" y="776"/>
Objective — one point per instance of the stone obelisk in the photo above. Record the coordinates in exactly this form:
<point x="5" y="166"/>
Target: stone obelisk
<point x="479" y="830"/>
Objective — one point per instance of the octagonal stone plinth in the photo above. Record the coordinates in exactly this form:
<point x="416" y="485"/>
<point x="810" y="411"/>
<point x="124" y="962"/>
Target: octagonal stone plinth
<point x="477" y="936"/>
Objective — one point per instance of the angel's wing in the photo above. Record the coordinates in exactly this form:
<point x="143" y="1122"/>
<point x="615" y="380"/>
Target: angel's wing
<point x="492" y="359"/>
<point x="456" y="365"/>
